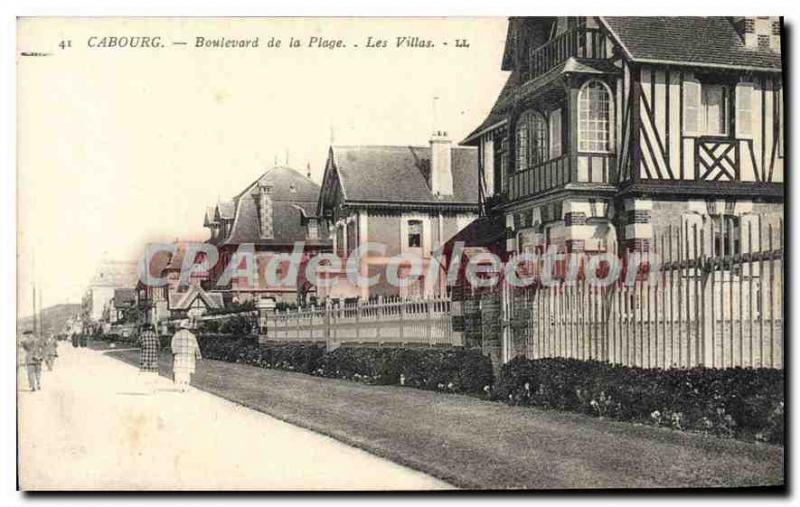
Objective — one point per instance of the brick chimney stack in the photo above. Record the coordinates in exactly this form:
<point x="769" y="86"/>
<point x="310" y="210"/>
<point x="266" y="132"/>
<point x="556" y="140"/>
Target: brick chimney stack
<point x="759" y="32"/>
<point x="441" y="175"/>
<point x="264" y="203"/>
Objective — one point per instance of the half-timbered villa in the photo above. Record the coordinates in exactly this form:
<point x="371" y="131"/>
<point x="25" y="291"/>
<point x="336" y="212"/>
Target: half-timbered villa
<point x="410" y="199"/>
<point x="611" y="129"/>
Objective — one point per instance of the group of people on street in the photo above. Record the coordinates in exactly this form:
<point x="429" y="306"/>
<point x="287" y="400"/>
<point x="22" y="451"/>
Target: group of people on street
<point x="37" y="351"/>
<point x="78" y="332"/>
<point x="185" y="352"/>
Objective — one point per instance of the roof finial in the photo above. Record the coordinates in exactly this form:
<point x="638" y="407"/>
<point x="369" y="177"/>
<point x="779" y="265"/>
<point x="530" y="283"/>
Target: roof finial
<point x="308" y="170"/>
<point x="287" y="157"/>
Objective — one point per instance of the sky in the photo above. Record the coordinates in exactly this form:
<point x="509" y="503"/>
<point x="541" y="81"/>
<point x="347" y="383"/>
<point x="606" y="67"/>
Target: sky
<point x="118" y="147"/>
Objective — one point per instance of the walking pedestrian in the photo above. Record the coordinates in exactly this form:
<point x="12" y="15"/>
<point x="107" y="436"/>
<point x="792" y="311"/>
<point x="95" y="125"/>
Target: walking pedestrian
<point x="148" y="354"/>
<point x="73" y="331"/>
<point x="84" y="327"/>
<point x="50" y="352"/>
<point x="33" y="359"/>
<point x="185" y="351"/>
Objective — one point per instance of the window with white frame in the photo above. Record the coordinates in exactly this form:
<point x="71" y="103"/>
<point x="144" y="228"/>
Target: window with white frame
<point x="706" y="108"/>
<point x="531" y="140"/>
<point x="594" y="118"/>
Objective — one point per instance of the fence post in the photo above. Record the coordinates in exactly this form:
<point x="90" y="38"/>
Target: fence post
<point x="706" y="271"/>
<point x="378" y="319"/>
<point x="402" y="305"/>
<point x="326" y="325"/>
<point x="358" y="319"/>
<point x="428" y="322"/>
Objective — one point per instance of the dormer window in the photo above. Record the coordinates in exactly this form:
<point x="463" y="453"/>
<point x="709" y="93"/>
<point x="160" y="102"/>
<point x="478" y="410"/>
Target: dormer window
<point x="313" y="228"/>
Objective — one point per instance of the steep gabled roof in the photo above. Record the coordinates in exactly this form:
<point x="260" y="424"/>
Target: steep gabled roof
<point x="184" y="300"/>
<point x="289" y="189"/>
<point x="690" y="41"/>
<point x="696" y="41"/>
<point x="391" y="174"/>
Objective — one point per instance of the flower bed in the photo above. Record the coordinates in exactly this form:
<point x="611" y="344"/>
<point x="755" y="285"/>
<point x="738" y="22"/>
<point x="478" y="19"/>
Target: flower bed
<point x="737" y="402"/>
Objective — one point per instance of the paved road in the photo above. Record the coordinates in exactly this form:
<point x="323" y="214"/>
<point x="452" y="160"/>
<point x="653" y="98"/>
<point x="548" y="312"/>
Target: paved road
<point x="94" y="427"/>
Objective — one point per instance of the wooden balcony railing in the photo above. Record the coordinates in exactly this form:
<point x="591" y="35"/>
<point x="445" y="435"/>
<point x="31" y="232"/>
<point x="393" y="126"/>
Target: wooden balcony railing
<point x="539" y="178"/>
<point x="579" y="42"/>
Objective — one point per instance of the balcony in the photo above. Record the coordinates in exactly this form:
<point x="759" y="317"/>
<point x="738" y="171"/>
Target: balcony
<point x="539" y="178"/>
<point x="581" y="42"/>
<point x="591" y="168"/>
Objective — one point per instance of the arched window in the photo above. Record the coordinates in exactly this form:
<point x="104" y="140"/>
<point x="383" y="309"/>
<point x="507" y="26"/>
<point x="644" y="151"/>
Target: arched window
<point x="531" y="139"/>
<point x="594" y="118"/>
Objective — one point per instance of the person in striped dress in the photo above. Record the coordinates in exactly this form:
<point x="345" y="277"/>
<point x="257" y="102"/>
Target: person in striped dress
<point x="185" y="351"/>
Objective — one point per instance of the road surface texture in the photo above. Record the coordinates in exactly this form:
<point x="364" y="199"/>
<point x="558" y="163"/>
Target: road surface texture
<point x="473" y="443"/>
<point x="93" y="426"/>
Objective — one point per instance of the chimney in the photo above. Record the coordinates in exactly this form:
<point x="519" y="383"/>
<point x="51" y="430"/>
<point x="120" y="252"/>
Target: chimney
<point x="264" y="205"/>
<point x="441" y="174"/>
<point x="759" y="32"/>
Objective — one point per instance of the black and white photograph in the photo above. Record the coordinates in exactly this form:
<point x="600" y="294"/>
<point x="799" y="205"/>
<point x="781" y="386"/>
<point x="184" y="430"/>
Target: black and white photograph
<point x="401" y="254"/>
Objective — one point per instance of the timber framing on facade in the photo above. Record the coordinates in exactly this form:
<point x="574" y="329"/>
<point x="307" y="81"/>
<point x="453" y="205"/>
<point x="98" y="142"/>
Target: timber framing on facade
<point x="610" y="127"/>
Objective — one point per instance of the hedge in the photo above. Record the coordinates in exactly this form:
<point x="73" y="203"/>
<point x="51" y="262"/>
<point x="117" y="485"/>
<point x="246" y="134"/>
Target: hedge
<point x="299" y="357"/>
<point x="448" y="369"/>
<point x="741" y="403"/>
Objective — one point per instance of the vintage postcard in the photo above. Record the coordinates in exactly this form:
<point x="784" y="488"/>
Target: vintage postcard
<point x="400" y="254"/>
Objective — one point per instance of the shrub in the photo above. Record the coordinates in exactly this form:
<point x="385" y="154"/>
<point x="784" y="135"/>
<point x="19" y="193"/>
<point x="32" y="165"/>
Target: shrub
<point x="301" y="357"/>
<point x="743" y="403"/>
<point x="208" y="326"/>
<point x="449" y="369"/>
<point x="237" y="325"/>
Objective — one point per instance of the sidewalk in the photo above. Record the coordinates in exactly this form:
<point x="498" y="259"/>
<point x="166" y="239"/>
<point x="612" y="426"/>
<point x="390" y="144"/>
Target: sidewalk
<point x="93" y="427"/>
<point x="481" y="444"/>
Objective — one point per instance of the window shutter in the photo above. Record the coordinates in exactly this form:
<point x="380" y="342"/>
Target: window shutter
<point x="691" y="107"/>
<point x="555" y="134"/>
<point x="744" y="110"/>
